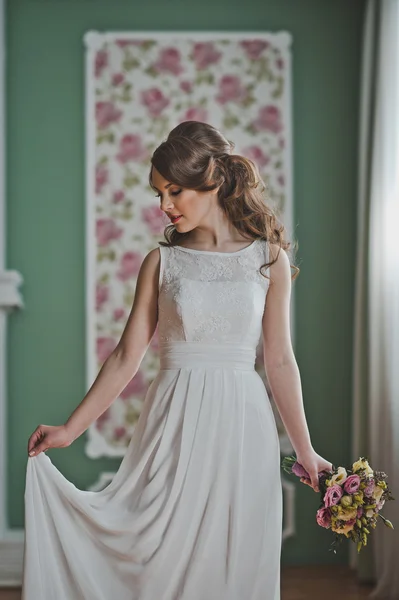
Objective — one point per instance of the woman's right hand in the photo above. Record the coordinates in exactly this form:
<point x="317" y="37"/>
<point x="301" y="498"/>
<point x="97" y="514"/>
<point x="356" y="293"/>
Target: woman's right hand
<point x="48" y="436"/>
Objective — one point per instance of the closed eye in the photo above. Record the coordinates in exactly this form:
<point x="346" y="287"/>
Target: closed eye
<point x="172" y="194"/>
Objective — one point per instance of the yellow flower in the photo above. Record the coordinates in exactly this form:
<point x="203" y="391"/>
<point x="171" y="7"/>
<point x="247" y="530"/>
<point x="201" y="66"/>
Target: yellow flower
<point x="346" y="501"/>
<point x="377" y="493"/>
<point x="362" y="464"/>
<point x="343" y="530"/>
<point x="340" y="477"/>
<point x="348" y="514"/>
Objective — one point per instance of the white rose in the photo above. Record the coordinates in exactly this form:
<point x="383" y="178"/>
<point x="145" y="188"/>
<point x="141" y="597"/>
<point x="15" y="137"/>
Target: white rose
<point x="377" y="493"/>
<point x="363" y="464"/>
<point x="339" y="478"/>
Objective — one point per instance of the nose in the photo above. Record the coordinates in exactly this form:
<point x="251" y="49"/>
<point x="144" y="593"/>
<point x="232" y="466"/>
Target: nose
<point x="166" y="204"/>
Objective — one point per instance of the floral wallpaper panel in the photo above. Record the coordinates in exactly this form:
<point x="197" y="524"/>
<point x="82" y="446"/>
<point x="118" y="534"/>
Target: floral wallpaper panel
<point x="138" y="88"/>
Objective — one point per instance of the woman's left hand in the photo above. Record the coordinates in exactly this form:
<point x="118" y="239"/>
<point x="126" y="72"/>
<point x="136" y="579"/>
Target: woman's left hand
<point x="314" y="464"/>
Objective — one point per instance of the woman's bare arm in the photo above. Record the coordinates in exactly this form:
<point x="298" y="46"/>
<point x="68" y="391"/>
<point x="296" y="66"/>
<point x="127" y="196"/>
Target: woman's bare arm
<point x="117" y="370"/>
<point x="281" y="367"/>
<point x="124" y="361"/>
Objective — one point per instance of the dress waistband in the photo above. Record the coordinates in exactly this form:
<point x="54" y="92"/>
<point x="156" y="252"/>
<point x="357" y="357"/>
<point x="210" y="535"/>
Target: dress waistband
<point x="183" y="355"/>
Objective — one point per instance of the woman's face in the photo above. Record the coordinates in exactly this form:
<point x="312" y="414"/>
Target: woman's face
<point x="192" y="207"/>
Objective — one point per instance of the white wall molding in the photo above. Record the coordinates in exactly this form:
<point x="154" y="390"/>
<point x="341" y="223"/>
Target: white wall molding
<point x="11" y="541"/>
<point x="10" y="296"/>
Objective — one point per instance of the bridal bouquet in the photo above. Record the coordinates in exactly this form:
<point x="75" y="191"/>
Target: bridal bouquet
<point x="350" y="499"/>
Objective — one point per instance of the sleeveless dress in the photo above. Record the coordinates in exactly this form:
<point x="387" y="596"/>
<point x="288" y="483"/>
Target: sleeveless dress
<point x="194" y="511"/>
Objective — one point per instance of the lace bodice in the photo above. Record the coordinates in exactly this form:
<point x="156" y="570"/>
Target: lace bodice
<point x="207" y="296"/>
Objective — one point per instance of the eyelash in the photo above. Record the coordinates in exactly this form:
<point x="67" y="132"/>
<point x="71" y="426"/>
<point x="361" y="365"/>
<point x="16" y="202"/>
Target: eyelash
<point x="172" y="194"/>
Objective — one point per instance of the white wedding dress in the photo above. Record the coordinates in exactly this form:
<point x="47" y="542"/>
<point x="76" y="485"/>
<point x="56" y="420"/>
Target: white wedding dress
<point x="194" y="511"/>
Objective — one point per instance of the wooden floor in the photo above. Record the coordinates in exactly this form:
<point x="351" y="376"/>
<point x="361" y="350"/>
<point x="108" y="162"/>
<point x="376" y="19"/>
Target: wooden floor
<point x="297" y="583"/>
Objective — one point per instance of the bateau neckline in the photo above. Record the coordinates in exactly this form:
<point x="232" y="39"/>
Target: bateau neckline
<point x="216" y="251"/>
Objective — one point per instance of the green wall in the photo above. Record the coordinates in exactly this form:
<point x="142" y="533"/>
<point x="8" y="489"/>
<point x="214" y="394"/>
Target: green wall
<point x="45" y="97"/>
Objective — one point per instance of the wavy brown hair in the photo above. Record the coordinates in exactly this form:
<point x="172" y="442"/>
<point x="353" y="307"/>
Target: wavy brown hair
<point x="197" y="156"/>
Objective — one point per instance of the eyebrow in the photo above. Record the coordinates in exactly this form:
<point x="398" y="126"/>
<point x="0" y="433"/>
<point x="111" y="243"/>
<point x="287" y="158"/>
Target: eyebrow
<point x="166" y="187"/>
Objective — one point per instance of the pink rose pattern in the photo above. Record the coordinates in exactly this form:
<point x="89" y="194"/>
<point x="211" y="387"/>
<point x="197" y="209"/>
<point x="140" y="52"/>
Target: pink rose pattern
<point x="195" y="114"/>
<point x="131" y="149"/>
<point x="107" y="231"/>
<point x="155" y="101"/>
<point x="102" y="295"/>
<point x="155" y="219"/>
<point x="105" y="345"/>
<point x="254" y="48"/>
<point x="129" y="265"/>
<point x="205" y="55"/>
<point x="203" y="69"/>
<point x="268" y="119"/>
<point x="135" y="387"/>
<point x="101" y="61"/>
<point x="257" y="155"/>
<point x="101" y="177"/>
<point x="170" y="61"/>
<point x="231" y="89"/>
<point x="106" y="114"/>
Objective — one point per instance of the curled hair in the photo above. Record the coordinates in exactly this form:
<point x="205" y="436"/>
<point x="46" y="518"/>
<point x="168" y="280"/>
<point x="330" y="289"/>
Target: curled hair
<point x="197" y="156"/>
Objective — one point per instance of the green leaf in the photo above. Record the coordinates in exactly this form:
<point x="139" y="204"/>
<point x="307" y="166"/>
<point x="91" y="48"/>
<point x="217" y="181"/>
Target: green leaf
<point x="130" y="63"/>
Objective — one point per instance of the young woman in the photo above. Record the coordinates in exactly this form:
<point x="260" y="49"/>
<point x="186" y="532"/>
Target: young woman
<point x="194" y="511"/>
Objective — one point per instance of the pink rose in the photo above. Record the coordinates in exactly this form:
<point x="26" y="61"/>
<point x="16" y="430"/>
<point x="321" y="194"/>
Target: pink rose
<point x="101" y="62"/>
<point x="280" y="63"/>
<point x="101" y="177"/>
<point x="135" y="387"/>
<point x="369" y="489"/>
<point x="106" y="113"/>
<point x="117" y="79"/>
<point x="129" y="265"/>
<point x="119" y="432"/>
<point x="154" y="100"/>
<point x="186" y="86"/>
<point x="119" y="313"/>
<point x="205" y="54"/>
<point x="333" y="495"/>
<point x="102" y="295"/>
<point x="256" y="154"/>
<point x="352" y="484"/>
<point x="169" y="60"/>
<point x="106" y="231"/>
<point x="105" y="345"/>
<point x="195" y="114"/>
<point x="254" y="48"/>
<point x="269" y="119"/>
<point x="131" y="148"/>
<point x="298" y="470"/>
<point x="379" y="505"/>
<point x="102" y="419"/>
<point x="123" y="42"/>
<point x="231" y="90"/>
<point x="155" y="218"/>
<point x="118" y="196"/>
<point x="323" y="517"/>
